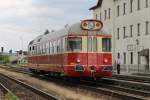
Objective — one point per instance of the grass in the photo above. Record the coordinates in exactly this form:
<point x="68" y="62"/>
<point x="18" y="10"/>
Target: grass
<point x="10" y="96"/>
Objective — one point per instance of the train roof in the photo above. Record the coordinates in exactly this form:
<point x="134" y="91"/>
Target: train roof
<point x="68" y="30"/>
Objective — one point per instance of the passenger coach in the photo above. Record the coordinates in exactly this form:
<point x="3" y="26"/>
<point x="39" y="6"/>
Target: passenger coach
<point x="80" y="50"/>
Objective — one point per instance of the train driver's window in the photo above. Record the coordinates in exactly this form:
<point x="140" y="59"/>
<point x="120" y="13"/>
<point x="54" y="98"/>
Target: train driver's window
<point x="106" y="45"/>
<point x="74" y="44"/>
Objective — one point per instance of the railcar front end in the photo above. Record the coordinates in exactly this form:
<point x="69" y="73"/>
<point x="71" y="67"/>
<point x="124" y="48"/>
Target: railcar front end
<point x="89" y="56"/>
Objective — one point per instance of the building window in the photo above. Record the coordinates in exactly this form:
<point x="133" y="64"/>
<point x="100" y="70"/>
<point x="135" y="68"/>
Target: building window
<point x="118" y="33"/>
<point x="118" y="10"/>
<point x="131" y="30"/>
<point x="138" y="29"/>
<point x="124" y="8"/>
<point x="109" y="12"/>
<point x="131" y="6"/>
<point x="139" y="61"/>
<point x="96" y="16"/>
<point x="138" y="2"/>
<point x="146" y="3"/>
<point x="147" y="27"/>
<point x="105" y="14"/>
<point x="131" y="54"/>
<point x="118" y="55"/>
<point x="100" y="16"/>
<point x="124" y="55"/>
<point x="124" y="31"/>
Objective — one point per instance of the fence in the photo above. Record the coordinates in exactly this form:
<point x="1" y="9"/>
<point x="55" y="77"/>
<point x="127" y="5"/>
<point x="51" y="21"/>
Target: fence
<point x="138" y="68"/>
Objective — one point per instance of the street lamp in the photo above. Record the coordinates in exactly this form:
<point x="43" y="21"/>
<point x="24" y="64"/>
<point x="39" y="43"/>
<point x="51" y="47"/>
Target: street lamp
<point x="137" y="43"/>
<point x="140" y="48"/>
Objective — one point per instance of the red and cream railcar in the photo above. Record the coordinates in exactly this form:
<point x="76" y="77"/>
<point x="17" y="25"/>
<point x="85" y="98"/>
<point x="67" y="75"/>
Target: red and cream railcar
<point x="80" y="50"/>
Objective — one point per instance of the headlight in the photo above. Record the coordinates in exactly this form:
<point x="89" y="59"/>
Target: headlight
<point x="78" y="60"/>
<point x="105" y="60"/>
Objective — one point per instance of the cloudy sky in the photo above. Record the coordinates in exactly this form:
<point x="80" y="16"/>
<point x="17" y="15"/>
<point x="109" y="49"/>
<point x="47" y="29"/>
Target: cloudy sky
<point x="23" y="20"/>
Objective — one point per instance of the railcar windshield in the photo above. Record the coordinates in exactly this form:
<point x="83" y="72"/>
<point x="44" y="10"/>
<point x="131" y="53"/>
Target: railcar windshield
<point x="74" y="44"/>
<point x="106" y="44"/>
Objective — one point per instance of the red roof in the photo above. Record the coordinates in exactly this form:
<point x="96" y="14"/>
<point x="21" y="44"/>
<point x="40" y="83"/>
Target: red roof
<point x="99" y="3"/>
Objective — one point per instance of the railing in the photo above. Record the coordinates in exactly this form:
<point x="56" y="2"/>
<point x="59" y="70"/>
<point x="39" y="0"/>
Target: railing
<point x="136" y="68"/>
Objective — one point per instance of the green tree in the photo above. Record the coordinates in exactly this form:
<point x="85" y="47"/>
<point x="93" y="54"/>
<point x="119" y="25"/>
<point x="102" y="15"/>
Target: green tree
<point x="4" y="59"/>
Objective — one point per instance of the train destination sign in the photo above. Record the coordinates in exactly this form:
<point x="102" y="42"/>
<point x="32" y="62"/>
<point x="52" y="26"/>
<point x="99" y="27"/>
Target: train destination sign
<point x="92" y="25"/>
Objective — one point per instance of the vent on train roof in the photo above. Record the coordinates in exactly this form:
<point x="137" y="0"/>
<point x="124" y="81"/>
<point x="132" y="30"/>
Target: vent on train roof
<point x="53" y="30"/>
<point x="39" y="39"/>
<point x="46" y="32"/>
<point x="31" y="42"/>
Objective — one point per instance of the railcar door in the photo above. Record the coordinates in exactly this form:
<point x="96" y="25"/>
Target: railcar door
<point x="92" y="57"/>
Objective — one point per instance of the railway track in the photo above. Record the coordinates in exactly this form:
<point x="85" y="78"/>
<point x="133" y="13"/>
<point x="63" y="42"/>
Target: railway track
<point x="142" y="74"/>
<point x="5" y="93"/>
<point x="137" y="78"/>
<point x="24" y="91"/>
<point x="127" y="93"/>
<point x="126" y="89"/>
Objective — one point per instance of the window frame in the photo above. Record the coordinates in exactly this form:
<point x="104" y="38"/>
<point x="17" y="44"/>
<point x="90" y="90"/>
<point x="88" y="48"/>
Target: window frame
<point x="131" y="30"/>
<point x="109" y="13"/>
<point x="105" y="12"/>
<point x="131" y="6"/>
<point x="147" y="3"/>
<point x="147" y="27"/>
<point x="124" y="8"/>
<point x="118" y="10"/>
<point x="138" y="5"/>
<point x="138" y="29"/>
<point x="124" y="32"/>
<point x="107" y="42"/>
<point x="118" y="33"/>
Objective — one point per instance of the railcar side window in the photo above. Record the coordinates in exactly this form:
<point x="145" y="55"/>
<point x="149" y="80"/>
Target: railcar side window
<point x="58" y="46"/>
<point x="30" y="49"/>
<point x="50" y="46"/>
<point x="47" y="47"/>
<point x="43" y="48"/>
<point x="106" y="45"/>
<point x="74" y="44"/>
<point x="40" y="48"/>
<point x="61" y="45"/>
<point x="55" y="46"/>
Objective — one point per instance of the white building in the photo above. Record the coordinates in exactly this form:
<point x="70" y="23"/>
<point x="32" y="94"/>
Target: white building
<point x="129" y="23"/>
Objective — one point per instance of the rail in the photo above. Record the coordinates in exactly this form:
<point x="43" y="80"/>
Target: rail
<point x="115" y="90"/>
<point x="39" y="92"/>
<point x="7" y="94"/>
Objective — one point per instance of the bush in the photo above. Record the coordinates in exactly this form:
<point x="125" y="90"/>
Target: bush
<point x="4" y="59"/>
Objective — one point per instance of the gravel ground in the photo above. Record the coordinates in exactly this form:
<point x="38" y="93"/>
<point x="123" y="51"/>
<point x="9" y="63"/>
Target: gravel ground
<point x="1" y="95"/>
<point x="63" y="92"/>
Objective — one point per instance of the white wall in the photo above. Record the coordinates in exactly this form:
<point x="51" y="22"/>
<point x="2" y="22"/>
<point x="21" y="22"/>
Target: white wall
<point x="125" y="20"/>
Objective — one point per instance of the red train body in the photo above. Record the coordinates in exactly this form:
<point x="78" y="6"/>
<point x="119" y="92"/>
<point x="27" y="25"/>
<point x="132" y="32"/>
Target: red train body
<point x="81" y="50"/>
